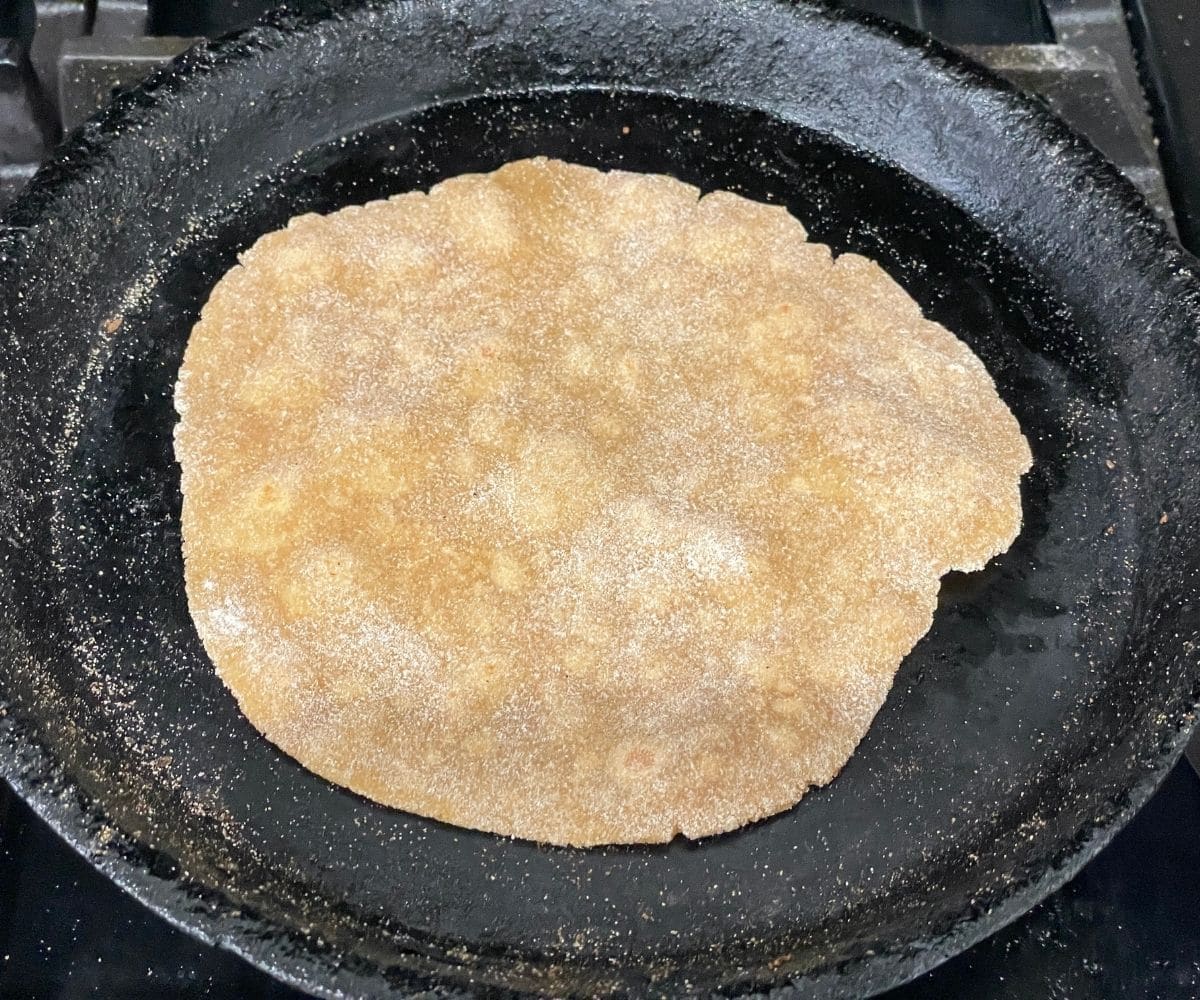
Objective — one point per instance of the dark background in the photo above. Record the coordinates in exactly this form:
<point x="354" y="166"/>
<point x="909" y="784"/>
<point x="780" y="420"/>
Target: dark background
<point x="1127" y="926"/>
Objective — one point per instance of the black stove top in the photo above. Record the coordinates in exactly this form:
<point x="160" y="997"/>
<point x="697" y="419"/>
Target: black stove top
<point x="1127" y="926"/>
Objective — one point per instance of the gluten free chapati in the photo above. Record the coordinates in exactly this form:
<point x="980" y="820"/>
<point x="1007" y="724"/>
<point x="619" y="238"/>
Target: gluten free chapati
<point x="573" y="505"/>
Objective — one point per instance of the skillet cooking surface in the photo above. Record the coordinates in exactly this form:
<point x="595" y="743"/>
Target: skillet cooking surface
<point x="1053" y="692"/>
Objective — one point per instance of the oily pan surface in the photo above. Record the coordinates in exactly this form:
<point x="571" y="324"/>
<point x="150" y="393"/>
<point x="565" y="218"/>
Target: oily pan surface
<point x="569" y="505"/>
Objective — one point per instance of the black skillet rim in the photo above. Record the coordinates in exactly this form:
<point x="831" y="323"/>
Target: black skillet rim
<point x="35" y="774"/>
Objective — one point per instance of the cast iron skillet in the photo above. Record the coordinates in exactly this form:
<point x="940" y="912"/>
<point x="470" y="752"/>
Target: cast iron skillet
<point x="1052" y="694"/>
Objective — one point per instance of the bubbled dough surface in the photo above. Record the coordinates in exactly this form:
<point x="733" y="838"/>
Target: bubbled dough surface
<point x="572" y="506"/>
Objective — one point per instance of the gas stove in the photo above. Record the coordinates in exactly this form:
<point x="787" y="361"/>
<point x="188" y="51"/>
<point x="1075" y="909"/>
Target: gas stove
<point x="1126" y="926"/>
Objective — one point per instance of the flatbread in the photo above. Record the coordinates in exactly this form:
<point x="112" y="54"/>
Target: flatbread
<point x="574" y="506"/>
